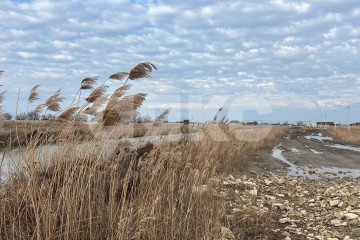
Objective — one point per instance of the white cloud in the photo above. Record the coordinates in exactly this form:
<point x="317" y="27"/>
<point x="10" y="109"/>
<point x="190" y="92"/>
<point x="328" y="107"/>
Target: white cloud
<point x="27" y="54"/>
<point x="278" y="48"/>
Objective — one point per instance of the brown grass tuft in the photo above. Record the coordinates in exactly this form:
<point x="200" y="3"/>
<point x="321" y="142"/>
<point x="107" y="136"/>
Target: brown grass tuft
<point x="119" y="76"/>
<point x="53" y="102"/>
<point x="122" y="110"/>
<point x="343" y="134"/>
<point x="142" y="70"/>
<point x="34" y="95"/>
<point x="96" y="94"/>
<point x="89" y="82"/>
<point x="39" y="108"/>
<point x="161" y="118"/>
<point x="68" y="114"/>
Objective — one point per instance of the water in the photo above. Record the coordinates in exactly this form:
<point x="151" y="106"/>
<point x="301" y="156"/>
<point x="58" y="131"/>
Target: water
<point x="314" y="172"/>
<point x="10" y="160"/>
<point x="344" y="147"/>
<point x="319" y="137"/>
<point x="314" y="151"/>
<point x="294" y="150"/>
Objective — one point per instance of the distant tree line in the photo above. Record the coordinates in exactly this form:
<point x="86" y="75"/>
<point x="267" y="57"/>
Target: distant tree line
<point x="30" y="116"/>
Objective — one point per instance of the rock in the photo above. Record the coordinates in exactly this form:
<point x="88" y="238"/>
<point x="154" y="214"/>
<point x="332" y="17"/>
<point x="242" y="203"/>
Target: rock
<point x="280" y="181"/>
<point x="329" y="190"/>
<point x="338" y="223"/>
<point x="350" y="216"/>
<point x="335" y="222"/>
<point x="268" y="182"/>
<point x="334" y="203"/>
<point x="253" y="192"/>
<point x="287" y="238"/>
<point x="278" y="205"/>
<point x="285" y="220"/>
<point x="231" y="177"/>
<point x="347" y="238"/>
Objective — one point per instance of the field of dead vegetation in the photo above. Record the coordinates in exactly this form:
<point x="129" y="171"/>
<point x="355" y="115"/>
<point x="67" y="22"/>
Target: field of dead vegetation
<point x="343" y="134"/>
<point x="109" y="178"/>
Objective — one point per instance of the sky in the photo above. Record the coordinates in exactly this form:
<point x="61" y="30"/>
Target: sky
<point x="276" y="60"/>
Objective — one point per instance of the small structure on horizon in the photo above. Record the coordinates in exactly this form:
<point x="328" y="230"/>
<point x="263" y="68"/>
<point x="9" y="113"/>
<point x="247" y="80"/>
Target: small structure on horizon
<point x="251" y="123"/>
<point x="325" y="124"/>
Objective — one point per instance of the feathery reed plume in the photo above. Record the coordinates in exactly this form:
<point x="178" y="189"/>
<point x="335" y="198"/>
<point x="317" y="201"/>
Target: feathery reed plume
<point x="53" y="102"/>
<point x="39" y="108"/>
<point x="90" y="111"/>
<point x="161" y="118"/>
<point x="142" y="70"/>
<point x="122" y="110"/>
<point x="2" y="117"/>
<point x="89" y="82"/>
<point x="93" y="110"/>
<point x="34" y="95"/>
<point x="68" y="114"/>
<point x="96" y="94"/>
<point x="119" y="76"/>
<point x="2" y="98"/>
<point x="137" y="99"/>
<point x="80" y="118"/>
<point x="119" y="92"/>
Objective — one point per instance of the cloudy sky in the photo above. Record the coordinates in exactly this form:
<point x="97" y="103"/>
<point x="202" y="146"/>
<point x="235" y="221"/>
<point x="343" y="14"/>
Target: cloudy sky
<point x="271" y="60"/>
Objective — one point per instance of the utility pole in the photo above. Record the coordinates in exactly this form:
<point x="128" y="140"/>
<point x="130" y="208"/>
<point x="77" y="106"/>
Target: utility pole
<point x="335" y="118"/>
<point x="348" y="117"/>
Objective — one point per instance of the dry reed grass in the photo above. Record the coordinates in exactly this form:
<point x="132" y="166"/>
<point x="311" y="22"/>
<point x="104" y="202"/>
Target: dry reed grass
<point x="53" y="102"/>
<point x="34" y="94"/>
<point x="343" y="134"/>
<point x="110" y="189"/>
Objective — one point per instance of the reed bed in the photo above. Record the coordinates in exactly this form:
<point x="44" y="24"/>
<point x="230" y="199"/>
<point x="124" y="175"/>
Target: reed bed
<point x="93" y="183"/>
<point x="343" y="134"/>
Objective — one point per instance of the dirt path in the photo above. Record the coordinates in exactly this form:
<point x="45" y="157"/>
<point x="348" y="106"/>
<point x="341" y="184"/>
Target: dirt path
<point x="311" y="154"/>
<point x="304" y="188"/>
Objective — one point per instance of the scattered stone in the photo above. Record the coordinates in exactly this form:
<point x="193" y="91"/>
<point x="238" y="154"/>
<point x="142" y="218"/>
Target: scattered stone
<point x="284" y="220"/>
<point x="267" y="182"/>
<point x="305" y="209"/>
<point x="253" y="192"/>
<point x="350" y="216"/>
<point x="334" y="203"/>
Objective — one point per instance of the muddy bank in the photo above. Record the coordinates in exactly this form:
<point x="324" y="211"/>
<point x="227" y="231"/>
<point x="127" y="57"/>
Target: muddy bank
<point x="310" y="154"/>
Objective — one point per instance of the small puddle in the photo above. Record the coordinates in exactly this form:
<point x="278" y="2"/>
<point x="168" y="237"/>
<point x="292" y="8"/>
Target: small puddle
<point x="319" y="137"/>
<point x="314" y="151"/>
<point x="314" y="172"/>
<point x="344" y="147"/>
<point x="295" y="150"/>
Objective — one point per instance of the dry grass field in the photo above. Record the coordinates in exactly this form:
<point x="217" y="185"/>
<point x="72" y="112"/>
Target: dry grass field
<point x="342" y="134"/>
<point x="146" y="190"/>
<point x="160" y="191"/>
